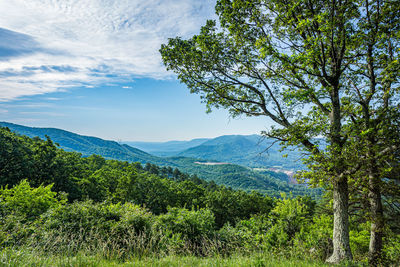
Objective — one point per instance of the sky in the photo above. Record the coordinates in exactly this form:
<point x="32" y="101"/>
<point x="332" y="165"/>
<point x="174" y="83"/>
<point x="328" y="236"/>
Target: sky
<point x="93" y="67"/>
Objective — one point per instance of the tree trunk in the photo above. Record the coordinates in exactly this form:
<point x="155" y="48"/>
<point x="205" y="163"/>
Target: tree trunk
<point x="341" y="240"/>
<point x="377" y="221"/>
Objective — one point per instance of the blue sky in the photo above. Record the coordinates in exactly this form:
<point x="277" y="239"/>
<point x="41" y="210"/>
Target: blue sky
<point x="93" y="67"/>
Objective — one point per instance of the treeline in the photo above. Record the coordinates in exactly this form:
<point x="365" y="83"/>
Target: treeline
<point x="54" y="202"/>
<point x="230" y="175"/>
<point x="40" y="162"/>
<point x="239" y="177"/>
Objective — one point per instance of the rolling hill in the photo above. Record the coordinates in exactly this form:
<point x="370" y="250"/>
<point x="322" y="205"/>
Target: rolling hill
<point x="232" y="175"/>
<point x="86" y="145"/>
<point x="247" y="150"/>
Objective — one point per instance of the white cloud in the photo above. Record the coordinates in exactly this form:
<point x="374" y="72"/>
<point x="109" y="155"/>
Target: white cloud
<point x="91" y="38"/>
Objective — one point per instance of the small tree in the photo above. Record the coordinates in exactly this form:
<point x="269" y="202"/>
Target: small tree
<point x="27" y="201"/>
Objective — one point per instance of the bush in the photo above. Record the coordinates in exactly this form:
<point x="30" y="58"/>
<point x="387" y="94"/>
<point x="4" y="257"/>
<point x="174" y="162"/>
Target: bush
<point x="251" y="232"/>
<point x="315" y="238"/>
<point x="275" y="232"/>
<point x="359" y="241"/>
<point x="185" y="229"/>
<point x="392" y="249"/>
<point x="86" y="216"/>
<point x="15" y="230"/>
<point x="27" y="201"/>
<point x="192" y="224"/>
<point x="288" y="218"/>
<point x="98" y="227"/>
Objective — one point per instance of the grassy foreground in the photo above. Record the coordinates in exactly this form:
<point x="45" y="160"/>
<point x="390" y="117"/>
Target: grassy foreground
<point x="9" y="257"/>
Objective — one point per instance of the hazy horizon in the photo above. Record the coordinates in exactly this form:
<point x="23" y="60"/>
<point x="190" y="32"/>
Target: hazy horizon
<point x="131" y="141"/>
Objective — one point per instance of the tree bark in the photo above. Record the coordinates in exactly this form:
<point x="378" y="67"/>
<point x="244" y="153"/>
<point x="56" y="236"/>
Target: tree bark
<point x="377" y="221"/>
<point x="341" y="240"/>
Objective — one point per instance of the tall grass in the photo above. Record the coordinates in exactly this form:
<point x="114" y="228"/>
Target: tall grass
<point x="26" y="257"/>
<point x="118" y="246"/>
<point x="93" y="247"/>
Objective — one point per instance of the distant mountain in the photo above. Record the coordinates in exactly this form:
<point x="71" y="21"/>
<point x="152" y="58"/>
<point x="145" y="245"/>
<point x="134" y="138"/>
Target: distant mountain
<point x="169" y="148"/>
<point x="247" y="150"/>
<point x="252" y="151"/>
<point x="86" y="145"/>
<point x="238" y="177"/>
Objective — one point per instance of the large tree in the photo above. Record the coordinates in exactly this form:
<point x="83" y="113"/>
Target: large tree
<point x="374" y="86"/>
<point x="295" y="62"/>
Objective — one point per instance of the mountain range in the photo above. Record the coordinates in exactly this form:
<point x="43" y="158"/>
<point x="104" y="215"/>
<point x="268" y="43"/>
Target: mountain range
<point x="169" y="148"/>
<point x="193" y="157"/>
<point x="252" y="151"/>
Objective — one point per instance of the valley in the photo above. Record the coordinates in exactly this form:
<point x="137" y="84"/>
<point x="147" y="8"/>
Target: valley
<point x="233" y="160"/>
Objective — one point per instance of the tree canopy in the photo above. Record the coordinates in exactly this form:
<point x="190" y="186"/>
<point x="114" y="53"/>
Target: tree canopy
<point x="316" y="69"/>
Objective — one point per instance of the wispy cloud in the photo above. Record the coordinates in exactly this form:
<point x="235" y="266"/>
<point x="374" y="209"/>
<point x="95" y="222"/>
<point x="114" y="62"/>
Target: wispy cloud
<point x="37" y="105"/>
<point x="53" y="44"/>
<point x="53" y="114"/>
<point x="53" y="98"/>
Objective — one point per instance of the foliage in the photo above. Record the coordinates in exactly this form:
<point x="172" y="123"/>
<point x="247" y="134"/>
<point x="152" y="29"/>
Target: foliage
<point x="69" y="164"/>
<point x="288" y="218"/>
<point x="229" y="205"/>
<point x="86" y="216"/>
<point x="186" y="229"/>
<point x="315" y="238"/>
<point x="316" y="69"/>
<point x="112" y="230"/>
<point x="123" y="231"/>
<point x="20" y="206"/>
<point x="121" y="210"/>
<point x="12" y="147"/>
<point x="392" y="249"/>
<point x="151" y="186"/>
<point x="28" y="202"/>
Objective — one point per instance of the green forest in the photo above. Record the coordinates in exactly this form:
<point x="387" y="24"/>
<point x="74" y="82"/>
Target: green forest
<point x="324" y="73"/>
<point x="57" y="205"/>
<point x="232" y="175"/>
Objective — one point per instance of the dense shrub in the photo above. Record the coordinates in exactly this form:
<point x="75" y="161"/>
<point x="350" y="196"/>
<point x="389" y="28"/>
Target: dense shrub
<point x="359" y="241"/>
<point x="392" y="249"/>
<point x="20" y="206"/>
<point x="85" y="216"/>
<point x="251" y="232"/>
<point x="15" y="230"/>
<point x="113" y="230"/>
<point x="288" y="217"/>
<point x="193" y="224"/>
<point x="232" y="206"/>
<point x="315" y="238"/>
<point x="186" y="231"/>
<point x="27" y="201"/>
<point x="275" y="231"/>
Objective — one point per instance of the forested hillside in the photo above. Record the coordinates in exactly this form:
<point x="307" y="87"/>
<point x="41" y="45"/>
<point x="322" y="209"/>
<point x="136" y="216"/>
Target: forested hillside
<point x="319" y="79"/>
<point x="251" y="151"/>
<point x="235" y="176"/>
<point x="40" y="162"/>
<point x="86" y="145"/>
<point x="55" y="203"/>
<point x="246" y="150"/>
